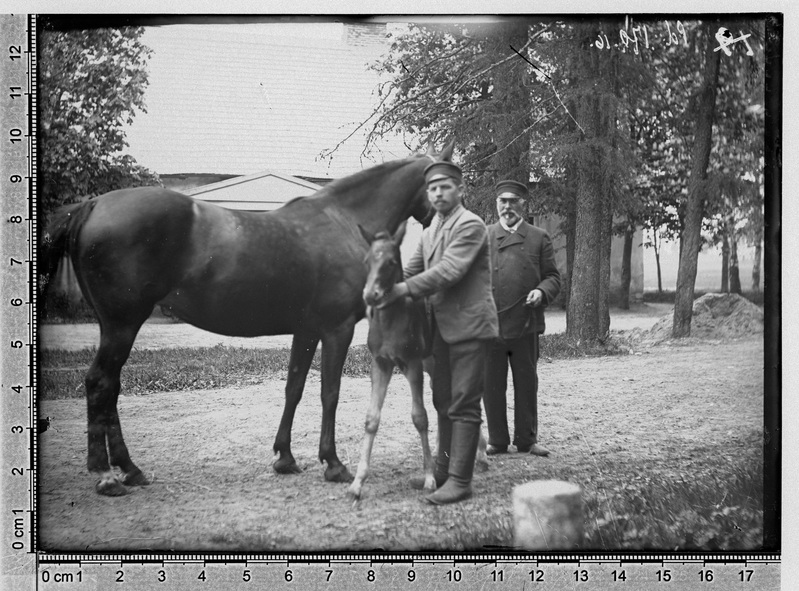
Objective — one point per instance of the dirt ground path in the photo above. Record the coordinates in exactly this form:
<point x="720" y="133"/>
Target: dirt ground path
<point x="208" y="455"/>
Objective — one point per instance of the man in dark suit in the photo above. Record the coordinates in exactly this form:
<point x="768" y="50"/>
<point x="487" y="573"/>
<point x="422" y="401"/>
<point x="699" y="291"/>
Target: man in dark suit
<point x="451" y="268"/>
<point x="525" y="279"/>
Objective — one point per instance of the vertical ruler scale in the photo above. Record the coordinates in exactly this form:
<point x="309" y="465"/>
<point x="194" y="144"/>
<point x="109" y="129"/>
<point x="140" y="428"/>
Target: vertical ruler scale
<point x="17" y="561"/>
<point x="34" y="275"/>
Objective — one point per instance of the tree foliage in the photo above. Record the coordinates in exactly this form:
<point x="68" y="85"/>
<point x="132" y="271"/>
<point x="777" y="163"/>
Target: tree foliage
<point x="525" y="100"/>
<point x="468" y="82"/>
<point x="91" y="84"/>
<point x="731" y="193"/>
<point x="604" y="131"/>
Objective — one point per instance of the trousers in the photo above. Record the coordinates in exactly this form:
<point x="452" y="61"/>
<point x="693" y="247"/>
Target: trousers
<point x="458" y="378"/>
<point x="523" y="356"/>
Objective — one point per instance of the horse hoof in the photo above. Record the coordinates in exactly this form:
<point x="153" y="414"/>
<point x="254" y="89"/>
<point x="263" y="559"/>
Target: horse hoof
<point x="338" y="474"/>
<point x="286" y="467"/>
<point x="110" y="488"/>
<point x="353" y="494"/>
<point x="135" y="478"/>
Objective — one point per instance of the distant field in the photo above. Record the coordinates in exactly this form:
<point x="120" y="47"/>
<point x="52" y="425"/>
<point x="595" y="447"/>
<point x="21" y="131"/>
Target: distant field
<point x="708" y="276"/>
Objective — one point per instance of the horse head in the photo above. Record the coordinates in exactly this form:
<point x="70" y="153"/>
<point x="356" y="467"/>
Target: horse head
<point x="383" y="263"/>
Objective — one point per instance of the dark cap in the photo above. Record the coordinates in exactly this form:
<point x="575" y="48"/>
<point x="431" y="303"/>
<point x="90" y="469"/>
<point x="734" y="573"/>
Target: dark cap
<point x="510" y="190"/>
<point x="440" y="170"/>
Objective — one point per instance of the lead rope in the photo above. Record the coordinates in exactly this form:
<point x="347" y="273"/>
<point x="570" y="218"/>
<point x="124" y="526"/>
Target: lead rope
<point x="514" y="304"/>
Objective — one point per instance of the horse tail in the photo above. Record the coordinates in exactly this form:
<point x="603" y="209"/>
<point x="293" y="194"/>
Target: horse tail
<point x="61" y="235"/>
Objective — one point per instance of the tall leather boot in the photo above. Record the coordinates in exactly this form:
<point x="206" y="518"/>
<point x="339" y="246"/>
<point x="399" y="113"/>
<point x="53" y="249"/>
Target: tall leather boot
<point x="458" y="486"/>
<point x="441" y="471"/>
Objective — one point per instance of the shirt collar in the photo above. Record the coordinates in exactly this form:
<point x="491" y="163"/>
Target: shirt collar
<point x="443" y="218"/>
<point x="512" y="228"/>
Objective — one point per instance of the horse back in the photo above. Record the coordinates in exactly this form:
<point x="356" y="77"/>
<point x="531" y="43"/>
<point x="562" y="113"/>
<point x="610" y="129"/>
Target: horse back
<point x="227" y="271"/>
<point x="138" y="228"/>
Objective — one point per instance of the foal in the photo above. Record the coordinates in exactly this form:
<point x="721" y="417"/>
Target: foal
<point x="399" y="336"/>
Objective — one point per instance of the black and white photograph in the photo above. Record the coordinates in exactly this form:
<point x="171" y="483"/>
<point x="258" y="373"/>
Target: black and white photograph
<point x="442" y="283"/>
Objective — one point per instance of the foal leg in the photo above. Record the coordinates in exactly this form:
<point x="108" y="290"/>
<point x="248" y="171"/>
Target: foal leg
<point x="481" y="459"/>
<point x="303" y="348"/>
<point x="415" y="376"/>
<point x="381" y="376"/>
<point x="102" y="392"/>
<point x="335" y="344"/>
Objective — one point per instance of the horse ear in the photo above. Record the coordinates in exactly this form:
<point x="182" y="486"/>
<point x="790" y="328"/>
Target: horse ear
<point x="446" y="153"/>
<point x="368" y="236"/>
<point x="400" y="233"/>
<point x="431" y="149"/>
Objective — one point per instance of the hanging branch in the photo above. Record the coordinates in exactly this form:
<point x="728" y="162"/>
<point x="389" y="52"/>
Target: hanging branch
<point x="525" y="130"/>
<point x="448" y="88"/>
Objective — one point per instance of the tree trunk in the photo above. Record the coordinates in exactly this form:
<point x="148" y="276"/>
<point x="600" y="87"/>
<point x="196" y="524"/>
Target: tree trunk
<point x="735" y="276"/>
<point x="596" y="110"/>
<point x="569" y="227"/>
<point x="626" y="268"/>
<point x="582" y="319"/>
<point x="656" y="243"/>
<point x="691" y="235"/>
<point x="756" y="266"/>
<point x="606" y="235"/>
<point x="725" y="262"/>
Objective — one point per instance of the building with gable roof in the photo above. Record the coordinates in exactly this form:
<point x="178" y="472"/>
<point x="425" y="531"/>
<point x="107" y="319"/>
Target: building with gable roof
<point x="262" y="191"/>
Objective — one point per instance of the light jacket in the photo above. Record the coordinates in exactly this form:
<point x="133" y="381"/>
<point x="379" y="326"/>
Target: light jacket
<point x="454" y="273"/>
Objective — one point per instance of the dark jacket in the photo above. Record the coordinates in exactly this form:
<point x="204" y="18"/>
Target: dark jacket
<point x="521" y="262"/>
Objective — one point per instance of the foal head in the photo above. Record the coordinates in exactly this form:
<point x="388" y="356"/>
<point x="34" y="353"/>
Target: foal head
<point x="383" y="264"/>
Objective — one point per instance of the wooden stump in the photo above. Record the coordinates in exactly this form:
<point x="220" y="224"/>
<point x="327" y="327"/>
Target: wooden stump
<point x="547" y="515"/>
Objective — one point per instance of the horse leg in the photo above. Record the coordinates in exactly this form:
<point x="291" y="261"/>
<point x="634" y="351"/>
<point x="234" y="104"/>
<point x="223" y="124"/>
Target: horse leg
<point x="415" y="376"/>
<point x="381" y="376"/>
<point x="303" y="348"/>
<point x="335" y="344"/>
<point x="102" y="392"/>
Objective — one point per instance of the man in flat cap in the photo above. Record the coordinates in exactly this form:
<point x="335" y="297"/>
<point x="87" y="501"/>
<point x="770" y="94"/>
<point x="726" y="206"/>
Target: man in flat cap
<point x="451" y="269"/>
<point x="524" y="279"/>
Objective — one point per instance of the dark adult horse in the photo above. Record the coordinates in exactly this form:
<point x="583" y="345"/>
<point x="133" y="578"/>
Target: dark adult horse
<point x="298" y="270"/>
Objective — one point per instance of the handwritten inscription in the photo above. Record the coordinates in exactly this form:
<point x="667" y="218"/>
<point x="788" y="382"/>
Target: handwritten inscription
<point x="641" y="37"/>
<point x="725" y="39"/>
<point x="638" y="37"/>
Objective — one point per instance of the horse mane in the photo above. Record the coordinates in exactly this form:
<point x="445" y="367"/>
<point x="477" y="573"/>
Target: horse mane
<point x="292" y="200"/>
<point x="347" y="183"/>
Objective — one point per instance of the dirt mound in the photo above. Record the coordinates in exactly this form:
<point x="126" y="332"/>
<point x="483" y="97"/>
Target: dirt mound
<point x="715" y="316"/>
